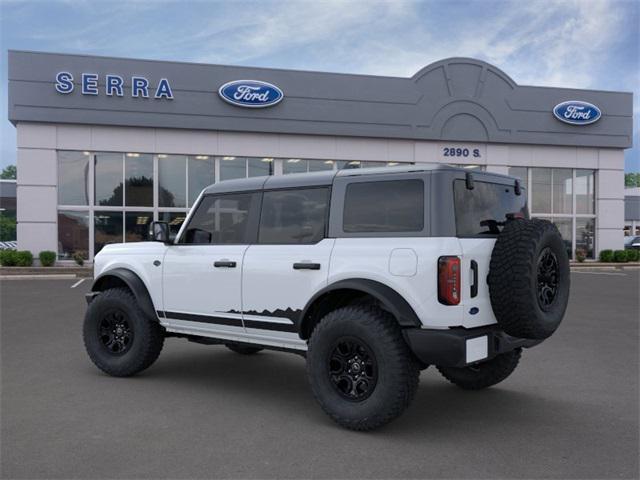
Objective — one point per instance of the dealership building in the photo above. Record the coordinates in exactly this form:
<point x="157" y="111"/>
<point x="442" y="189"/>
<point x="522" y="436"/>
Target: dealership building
<point x="107" y="145"/>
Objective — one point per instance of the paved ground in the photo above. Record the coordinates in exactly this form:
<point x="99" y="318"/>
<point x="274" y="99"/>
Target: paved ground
<point x="569" y="411"/>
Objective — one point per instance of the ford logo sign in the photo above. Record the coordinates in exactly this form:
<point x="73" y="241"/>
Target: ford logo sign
<point x="576" y="112"/>
<point x="250" y="93"/>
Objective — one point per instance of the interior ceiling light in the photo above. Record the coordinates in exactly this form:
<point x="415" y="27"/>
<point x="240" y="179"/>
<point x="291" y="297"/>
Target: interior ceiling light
<point x="228" y="158"/>
<point x="133" y="154"/>
<point x="293" y="160"/>
<point x="202" y="157"/>
<point x="266" y="159"/>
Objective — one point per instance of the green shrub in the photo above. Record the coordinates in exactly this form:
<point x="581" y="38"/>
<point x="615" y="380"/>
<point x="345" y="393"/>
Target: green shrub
<point x="24" y="258"/>
<point x="606" y="256"/>
<point x="633" y="255"/>
<point x="620" y="256"/>
<point x="47" y="258"/>
<point x="78" y="257"/>
<point x="8" y="258"/>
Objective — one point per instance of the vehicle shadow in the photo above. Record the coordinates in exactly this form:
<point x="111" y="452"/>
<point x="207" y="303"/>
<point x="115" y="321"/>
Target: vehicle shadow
<point x="276" y="382"/>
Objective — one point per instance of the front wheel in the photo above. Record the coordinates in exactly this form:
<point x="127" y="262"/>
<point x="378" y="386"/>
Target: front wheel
<point x="360" y="368"/>
<point x="119" y="338"/>
<point x="485" y="374"/>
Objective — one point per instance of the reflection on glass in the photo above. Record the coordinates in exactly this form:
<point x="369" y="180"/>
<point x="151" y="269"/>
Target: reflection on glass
<point x="585" y="191"/>
<point x="73" y="178"/>
<point x="348" y="164"/>
<point x="137" y="226"/>
<point x="138" y="172"/>
<point x="562" y="190"/>
<point x="585" y="235"/>
<point x="566" y="230"/>
<point x="259" y="167"/>
<point x="541" y="190"/>
<point x="73" y="234"/>
<point x="233" y="167"/>
<point x="320" y="165"/>
<point x="294" y="165"/>
<point x="201" y="175"/>
<point x="172" y="173"/>
<point x="522" y="173"/>
<point x="108" y="229"/>
<point x="175" y="221"/>
<point x="108" y="179"/>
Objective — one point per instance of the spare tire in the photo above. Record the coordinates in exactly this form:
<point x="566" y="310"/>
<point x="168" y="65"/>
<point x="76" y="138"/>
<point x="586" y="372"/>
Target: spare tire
<point x="529" y="278"/>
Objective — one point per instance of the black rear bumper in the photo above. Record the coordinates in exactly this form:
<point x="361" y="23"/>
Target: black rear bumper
<point x="448" y="348"/>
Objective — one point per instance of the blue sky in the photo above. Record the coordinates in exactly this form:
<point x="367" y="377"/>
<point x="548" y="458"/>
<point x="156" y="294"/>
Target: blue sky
<point x="566" y="43"/>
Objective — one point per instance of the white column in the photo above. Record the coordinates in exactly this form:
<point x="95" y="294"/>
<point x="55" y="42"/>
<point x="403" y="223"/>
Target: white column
<point x="610" y="199"/>
<point x="37" y="197"/>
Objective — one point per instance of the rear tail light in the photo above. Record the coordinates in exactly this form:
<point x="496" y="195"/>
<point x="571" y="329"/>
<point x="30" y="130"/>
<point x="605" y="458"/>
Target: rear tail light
<point x="449" y="280"/>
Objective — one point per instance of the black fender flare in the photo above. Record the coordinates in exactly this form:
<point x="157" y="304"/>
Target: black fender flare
<point x="387" y="296"/>
<point x="135" y="284"/>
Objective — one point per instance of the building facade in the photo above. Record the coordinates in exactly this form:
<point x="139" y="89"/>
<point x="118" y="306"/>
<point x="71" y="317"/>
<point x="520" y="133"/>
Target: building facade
<point x="107" y="145"/>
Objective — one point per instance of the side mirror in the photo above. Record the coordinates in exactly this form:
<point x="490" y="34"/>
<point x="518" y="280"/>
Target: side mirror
<point x="160" y="232"/>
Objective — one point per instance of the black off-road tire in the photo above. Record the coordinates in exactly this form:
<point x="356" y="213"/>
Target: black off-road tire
<point x="397" y="372"/>
<point x="485" y="374"/>
<point x="243" y="349"/>
<point x="518" y="258"/>
<point x="147" y="334"/>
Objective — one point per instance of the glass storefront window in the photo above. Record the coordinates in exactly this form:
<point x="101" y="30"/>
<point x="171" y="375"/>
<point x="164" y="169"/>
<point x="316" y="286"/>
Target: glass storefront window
<point x="294" y="165"/>
<point x="108" y="179"/>
<point x="73" y="178"/>
<point x="566" y="230"/>
<point x="172" y="181"/>
<point x="259" y="167"/>
<point x="522" y="173"/>
<point x="585" y="192"/>
<point x="232" y="167"/>
<point x="348" y="164"/>
<point x="138" y="173"/>
<point x="107" y="229"/>
<point x="201" y="175"/>
<point x="320" y="165"/>
<point x="73" y="234"/>
<point x="585" y="235"/>
<point x="562" y="190"/>
<point x="175" y="221"/>
<point x="137" y="226"/>
<point x="541" y="190"/>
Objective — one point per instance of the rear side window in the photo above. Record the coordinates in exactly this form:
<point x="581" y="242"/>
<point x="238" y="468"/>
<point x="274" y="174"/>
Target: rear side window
<point x="222" y="219"/>
<point x="384" y="206"/>
<point x="483" y="210"/>
<point x="293" y="216"/>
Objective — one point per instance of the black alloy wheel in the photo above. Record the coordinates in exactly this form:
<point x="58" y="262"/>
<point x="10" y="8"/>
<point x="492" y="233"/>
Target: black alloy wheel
<point x="115" y="332"/>
<point x="547" y="278"/>
<point x="352" y="369"/>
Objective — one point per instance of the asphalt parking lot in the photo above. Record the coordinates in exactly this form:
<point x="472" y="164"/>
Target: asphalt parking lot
<point x="569" y="411"/>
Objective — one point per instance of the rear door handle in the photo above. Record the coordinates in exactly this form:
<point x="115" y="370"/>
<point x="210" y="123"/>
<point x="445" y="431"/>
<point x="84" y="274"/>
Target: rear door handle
<point x="306" y="266"/>
<point x="224" y="263"/>
<point x="474" y="273"/>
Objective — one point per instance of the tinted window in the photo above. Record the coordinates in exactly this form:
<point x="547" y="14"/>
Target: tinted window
<point x="483" y="210"/>
<point x="389" y="206"/>
<point x="293" y="216"/>
<point x="222" y="219"/>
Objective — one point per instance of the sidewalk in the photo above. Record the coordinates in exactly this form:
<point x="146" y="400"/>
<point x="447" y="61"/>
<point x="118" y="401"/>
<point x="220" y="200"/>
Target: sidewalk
<point x="45" y="272"/>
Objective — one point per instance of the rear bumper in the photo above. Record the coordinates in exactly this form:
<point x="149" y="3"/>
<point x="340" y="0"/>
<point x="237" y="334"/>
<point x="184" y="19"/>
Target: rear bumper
<point x="459" y="347"/>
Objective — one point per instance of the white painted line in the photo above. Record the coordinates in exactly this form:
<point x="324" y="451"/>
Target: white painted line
<point x="78" y="283"/>
<point x="600" y="273"/>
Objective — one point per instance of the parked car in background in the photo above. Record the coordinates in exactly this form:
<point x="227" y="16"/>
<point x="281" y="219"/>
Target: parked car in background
<point x="632" y="242"/>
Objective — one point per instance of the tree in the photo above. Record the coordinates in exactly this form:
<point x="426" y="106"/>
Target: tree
<point x="9" y="172"/>
<point x="632" y="180"/>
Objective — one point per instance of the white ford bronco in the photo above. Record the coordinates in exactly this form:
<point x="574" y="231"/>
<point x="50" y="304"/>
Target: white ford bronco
<point x="372" y="275"/>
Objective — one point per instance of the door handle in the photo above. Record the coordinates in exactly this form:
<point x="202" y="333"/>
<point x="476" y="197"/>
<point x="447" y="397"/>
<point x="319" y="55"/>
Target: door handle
<point x="474" y="273"/>
<point x="306" y="266"/>
<point x="224" y="263"/>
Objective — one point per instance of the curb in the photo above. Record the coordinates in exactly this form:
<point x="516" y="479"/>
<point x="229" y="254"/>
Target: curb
<point x="53" y="276"/>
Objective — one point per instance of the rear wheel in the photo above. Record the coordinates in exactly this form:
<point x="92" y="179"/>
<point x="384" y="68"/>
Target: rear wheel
<point x="485" y="374"/>
<point x="119" y="338"/>
<point x="360" y="368"/>
<point x="242" y="349"/>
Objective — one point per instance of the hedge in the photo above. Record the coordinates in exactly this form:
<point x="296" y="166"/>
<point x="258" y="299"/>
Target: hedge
<point x="13" y="258"/>
<point x="620" y="256"/>
<point x="47" y="258"/>
<point x="606" y="256"/>
<point x="633" y="255"/>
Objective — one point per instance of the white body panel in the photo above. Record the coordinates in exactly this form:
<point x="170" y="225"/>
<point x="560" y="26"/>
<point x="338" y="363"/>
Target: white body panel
<point x="271" y="286"/>
<point x="137" y="257"/>
<point x="478" y="249"/>
<point x="193" y="285"/>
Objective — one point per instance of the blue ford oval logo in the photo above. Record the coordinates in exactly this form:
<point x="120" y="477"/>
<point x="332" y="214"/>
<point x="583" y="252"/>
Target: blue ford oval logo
<point x="576" y="112"/>
<point x="250" y="93"/>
